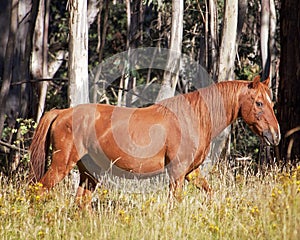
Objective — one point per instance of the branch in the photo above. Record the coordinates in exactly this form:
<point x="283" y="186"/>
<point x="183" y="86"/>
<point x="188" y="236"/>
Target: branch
<point x="38" y="80"/>
<point x="13" y="147"/>
<point x="292" y="131"/>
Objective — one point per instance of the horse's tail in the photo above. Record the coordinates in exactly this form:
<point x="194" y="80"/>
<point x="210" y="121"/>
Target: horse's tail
<point x="40" y="145"/>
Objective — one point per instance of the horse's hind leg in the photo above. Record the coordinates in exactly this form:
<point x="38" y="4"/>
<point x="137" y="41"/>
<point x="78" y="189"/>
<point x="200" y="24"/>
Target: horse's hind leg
<point x="62" y="163"/>
<point x="198" y="180"/>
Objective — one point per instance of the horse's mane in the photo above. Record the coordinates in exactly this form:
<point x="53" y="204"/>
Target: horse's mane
<point x="215" y="94"/>
<point x="221" y="99"/>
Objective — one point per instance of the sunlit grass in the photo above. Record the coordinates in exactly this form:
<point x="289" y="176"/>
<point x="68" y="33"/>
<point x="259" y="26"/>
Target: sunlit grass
<point x="251" y="207"/>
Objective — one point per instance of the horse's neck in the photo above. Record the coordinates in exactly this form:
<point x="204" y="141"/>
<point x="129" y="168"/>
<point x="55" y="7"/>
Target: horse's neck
<point x="222" y="100"/>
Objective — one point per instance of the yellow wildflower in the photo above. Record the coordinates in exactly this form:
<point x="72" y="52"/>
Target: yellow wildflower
<point x="121" y="212"/>
<point x="41" y="233"/>
<point x="279" y="192"/>
<point x="105" y="191"/>
<point x="213" y="228"/>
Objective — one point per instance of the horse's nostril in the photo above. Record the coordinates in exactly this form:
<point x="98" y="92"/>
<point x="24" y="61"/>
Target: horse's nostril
<point x="271" y="137"/>
<point x="268" y="137"/>
<point x="277" y="137"/>
<point x="272" y="134"/>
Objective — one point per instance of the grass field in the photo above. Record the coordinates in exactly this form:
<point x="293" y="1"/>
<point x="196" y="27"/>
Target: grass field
<point x="251" y="207"/>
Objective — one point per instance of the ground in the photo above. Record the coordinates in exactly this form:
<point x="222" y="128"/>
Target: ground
<point x="252" y="207"/>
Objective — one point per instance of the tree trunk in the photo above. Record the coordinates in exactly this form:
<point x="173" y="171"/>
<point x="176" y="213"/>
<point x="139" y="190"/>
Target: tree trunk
<point x="8" y="64"/>
<point x="171" y="73"/>
<point x="124" y="82"/>
<point x="214" y="43"/>
<point x="228" y="43"/>
<point x="5" y="12"/>
<point x="264" y="38"/>
<point x="128" y="82"/>
<point x="92" y="11"/>
<point x="39" y="59"/>
<point x="100" y="47"/>
<point x="274" y="61"/>
<point x="242" y="14"/>
<point x="17" y="62"/>
<point x="227" y="55"/>
<point x="289" y="87"/>
<point x="28" y="10"/>
<point x="78" y="53"/>
<point x="15" y="99"/>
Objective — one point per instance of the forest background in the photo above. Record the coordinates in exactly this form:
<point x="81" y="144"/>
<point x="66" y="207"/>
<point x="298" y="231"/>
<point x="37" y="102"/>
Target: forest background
<point x="236" y="39"/>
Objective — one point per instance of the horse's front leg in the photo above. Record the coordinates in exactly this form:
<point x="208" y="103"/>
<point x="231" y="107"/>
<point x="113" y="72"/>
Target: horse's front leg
<point x="177" y="171"/>
<point x="87" y="185"/>
<point x="176" y="188"/>
<point x="198" y="180"/>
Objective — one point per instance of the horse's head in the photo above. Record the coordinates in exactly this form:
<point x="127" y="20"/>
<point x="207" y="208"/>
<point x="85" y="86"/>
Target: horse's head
<point x="257" y="111"/>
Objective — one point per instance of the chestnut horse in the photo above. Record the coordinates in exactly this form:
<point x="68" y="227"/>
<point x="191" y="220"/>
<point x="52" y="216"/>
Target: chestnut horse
<point x="173" y="135"/>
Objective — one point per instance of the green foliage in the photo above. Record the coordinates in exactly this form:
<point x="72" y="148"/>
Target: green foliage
<point x="26" y="125"/>
<point x="21" y="135"/>
<point x="57" y="96"/>
<point x="59" y="25"/>
<point x="115" y="41"/>
<point x="24" y="131"/>
<point x="247" y="71"/>
<point x="244" y="143"/>
<point x="26" y="128"/>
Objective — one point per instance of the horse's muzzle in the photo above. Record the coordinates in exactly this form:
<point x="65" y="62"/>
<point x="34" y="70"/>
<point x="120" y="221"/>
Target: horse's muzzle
<point x="271" y="137"/>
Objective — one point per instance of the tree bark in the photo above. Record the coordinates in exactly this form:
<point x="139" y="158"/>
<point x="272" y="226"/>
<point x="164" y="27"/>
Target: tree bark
<point x="16" y="68"/>
<point x="8" y="64"/>
<point x="92" y="11"/>
<point x="289" y="86"/>
<point x="5" y="12"/>
<point x="264" y="38"/>
<point x="228" y="43"/>
<point x="128" y="80"/>
<point x="15" y="99"/>
<point x="227" y="54"/>
<point x="242" y="14"/>
<point x="272" y="46"/>
<point x="40" y="54"/>
<point x="99" y="87"/>
<point x="78" y="53"/>
<point x="171" y="73"/>
<point x="214" y="43"/>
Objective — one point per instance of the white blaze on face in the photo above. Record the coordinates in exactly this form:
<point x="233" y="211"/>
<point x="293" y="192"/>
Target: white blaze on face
<point x="268" y="98"/>
<point x="279" y="134"/>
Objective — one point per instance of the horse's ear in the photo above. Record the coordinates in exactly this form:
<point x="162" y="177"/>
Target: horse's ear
<point x="267" y="81"/>
<point x="255" y="82"/>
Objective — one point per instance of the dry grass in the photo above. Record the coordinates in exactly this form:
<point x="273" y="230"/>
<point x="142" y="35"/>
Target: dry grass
<point x="241" y="208"/>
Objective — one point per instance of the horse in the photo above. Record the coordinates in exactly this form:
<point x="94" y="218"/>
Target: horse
<point x="173" y="135"/>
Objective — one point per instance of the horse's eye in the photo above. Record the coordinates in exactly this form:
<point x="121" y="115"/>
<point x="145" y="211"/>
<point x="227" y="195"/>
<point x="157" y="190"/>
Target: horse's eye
<point x="259" y="104"/>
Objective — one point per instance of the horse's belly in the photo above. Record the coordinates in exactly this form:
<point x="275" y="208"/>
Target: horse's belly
<point x="122" y="165"/>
